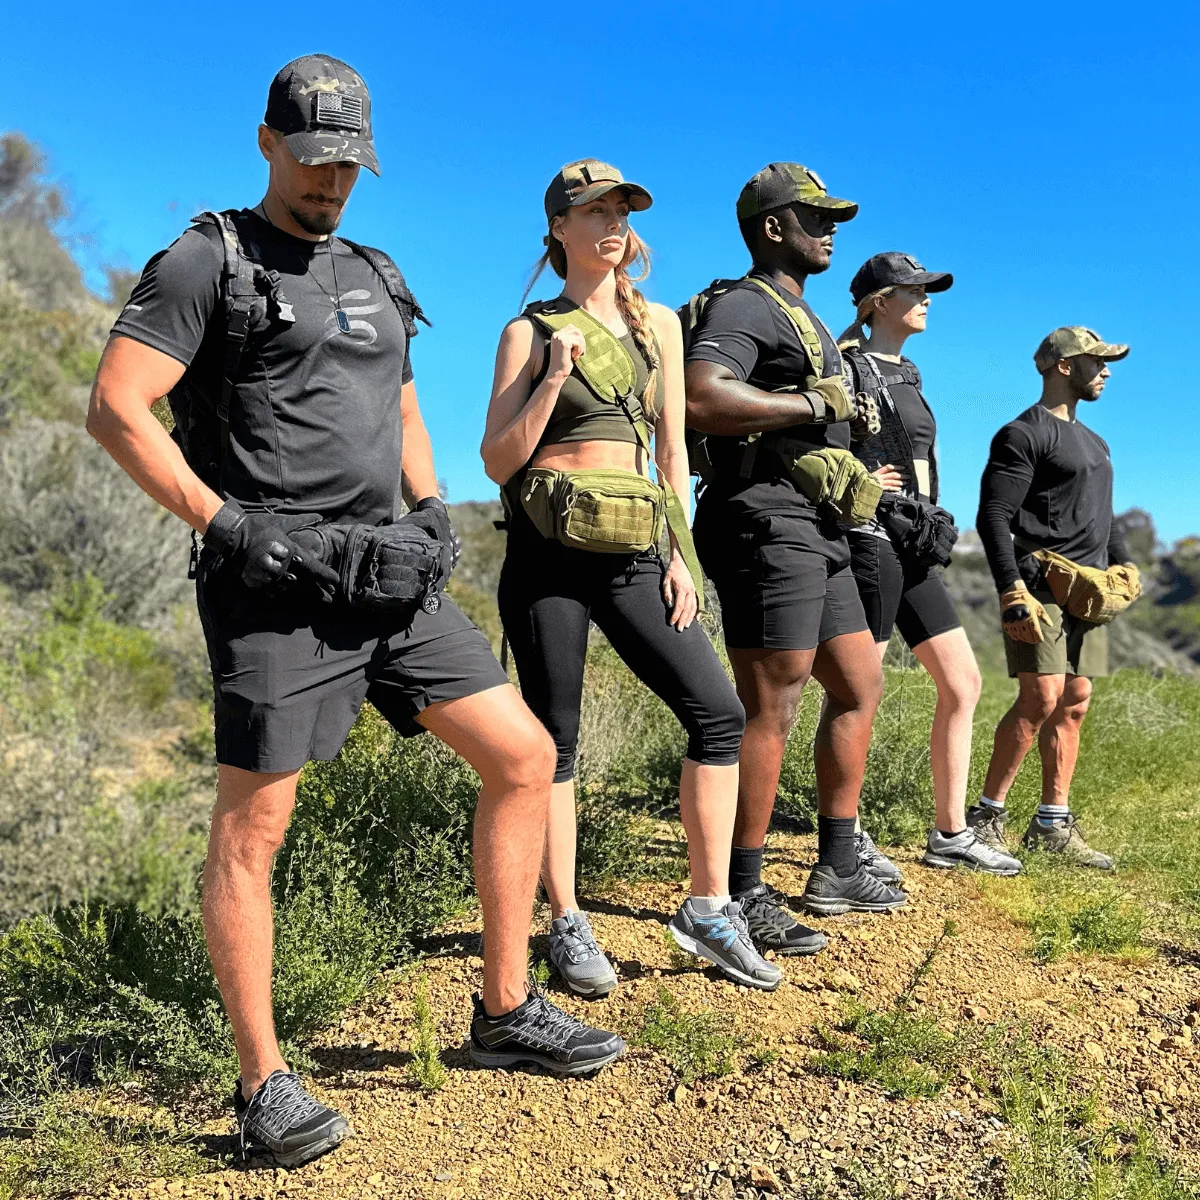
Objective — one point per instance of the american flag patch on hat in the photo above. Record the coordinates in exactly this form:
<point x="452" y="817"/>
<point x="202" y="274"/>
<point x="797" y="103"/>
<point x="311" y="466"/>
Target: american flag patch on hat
<point x="339" y="111"/>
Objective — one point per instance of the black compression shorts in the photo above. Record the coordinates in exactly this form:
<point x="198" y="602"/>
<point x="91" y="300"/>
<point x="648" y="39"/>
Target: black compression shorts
<point x="289" y="678"/>
<point x="783" y="582"/>
<point x="911" y="598"/>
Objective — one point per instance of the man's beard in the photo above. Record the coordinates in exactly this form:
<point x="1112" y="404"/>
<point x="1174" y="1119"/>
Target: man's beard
<point x="319" y="222"/>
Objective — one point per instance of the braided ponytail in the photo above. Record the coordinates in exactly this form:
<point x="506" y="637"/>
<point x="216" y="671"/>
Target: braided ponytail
<point x="854" y="333"/>
<point x="636" y="313"/>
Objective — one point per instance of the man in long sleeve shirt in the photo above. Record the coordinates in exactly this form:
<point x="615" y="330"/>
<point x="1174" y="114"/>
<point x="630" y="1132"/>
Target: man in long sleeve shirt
<point x="1048" y="485"/>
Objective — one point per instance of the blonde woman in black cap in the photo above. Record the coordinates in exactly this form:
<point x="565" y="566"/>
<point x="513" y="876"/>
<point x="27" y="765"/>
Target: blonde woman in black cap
<point x="589" y="388"/>
<point x="897" y="560"/>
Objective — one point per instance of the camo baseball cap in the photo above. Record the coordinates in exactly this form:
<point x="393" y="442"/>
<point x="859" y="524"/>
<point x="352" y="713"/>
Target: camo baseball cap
<point x="1070" y="340"/>
<point x="893" y="269"/>
<point x="322" y="107"/>
<point x="782" y="183"/>
<point x="579" y="182"/>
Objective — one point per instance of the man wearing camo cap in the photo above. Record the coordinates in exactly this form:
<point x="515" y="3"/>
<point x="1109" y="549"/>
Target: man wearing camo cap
<point x="1048" y="486"/>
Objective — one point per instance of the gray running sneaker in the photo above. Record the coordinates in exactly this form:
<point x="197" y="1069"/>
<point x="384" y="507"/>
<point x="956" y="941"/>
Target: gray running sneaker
<point x="872" y="859"/>
<point x="967" y="849"/>
<point x="829" y="894"/>
<point x="772" y="927"/>
<point x="576" y="957"/>
<point x="724" y="939"/>
<point x="284" y="1120"/>
<point x="989" y="825"/>
<point x="1066" y="838"/>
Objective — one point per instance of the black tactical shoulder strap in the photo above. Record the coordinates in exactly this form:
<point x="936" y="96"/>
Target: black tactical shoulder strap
<point x="393" y="281"/>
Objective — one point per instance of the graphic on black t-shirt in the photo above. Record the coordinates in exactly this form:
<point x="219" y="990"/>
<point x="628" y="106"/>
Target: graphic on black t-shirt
<point x="315" y="418"/>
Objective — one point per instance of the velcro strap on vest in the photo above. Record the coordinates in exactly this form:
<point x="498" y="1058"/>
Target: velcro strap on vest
<point x="804" y="327"/>
<point x="605" y="365"/>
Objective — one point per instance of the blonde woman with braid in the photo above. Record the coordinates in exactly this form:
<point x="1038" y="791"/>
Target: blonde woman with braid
<point x="589" y="388"/>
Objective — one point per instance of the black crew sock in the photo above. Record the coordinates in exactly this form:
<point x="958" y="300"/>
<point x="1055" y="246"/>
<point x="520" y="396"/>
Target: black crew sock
<point x="835" y="845"/>
<point x="745" y="869"/>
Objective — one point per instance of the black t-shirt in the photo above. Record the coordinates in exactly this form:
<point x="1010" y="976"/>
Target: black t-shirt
<point x="912" y="411"/>
<point x="747" y="331"/>
<point x="1050" y="483"/>
<point x="314" y="423"/>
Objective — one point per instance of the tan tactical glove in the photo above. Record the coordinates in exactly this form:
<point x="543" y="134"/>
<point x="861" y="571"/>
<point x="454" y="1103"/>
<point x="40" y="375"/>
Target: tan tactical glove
<point x="831" y="400"/>
<point x="1021" y="616"/>
<point x="1132" y="576"/>
<point x="865" y="423"/>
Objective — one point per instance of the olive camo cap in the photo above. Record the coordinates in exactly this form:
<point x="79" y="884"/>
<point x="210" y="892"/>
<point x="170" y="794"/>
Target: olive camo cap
<point x="323" y="109"/>
<point x="893" y="269"/>
<point x="579" y="182"/>
<point x="1070" y="340"/>
<point x="783" y="183"/>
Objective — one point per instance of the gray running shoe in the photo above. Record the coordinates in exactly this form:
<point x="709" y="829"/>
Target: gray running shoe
<point x="724" y="939"/>
<point x="576" y="957"/>
<point x="828" y="894"/>
<point x="967" y="849"/>
<point x="772" y="927"/>
<point x="284" y="1120"/>
<point x="539" y="1034"/>
<point x="872" y="859"/>
<point x="1066" y="838"/>
<point x="989" y="825"/>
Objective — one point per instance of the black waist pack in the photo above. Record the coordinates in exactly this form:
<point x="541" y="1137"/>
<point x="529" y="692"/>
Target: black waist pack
<point x="921" y="532"/>
<point x="381" y="568"/>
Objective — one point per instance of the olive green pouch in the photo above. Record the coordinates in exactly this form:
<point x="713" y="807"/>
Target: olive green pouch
<point x="833" y="478"/>
<point x="1088" y="593"/>
<point x="604" y="511"/>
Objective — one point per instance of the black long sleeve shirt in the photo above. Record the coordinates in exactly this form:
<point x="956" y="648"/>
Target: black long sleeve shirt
<point x="1048" y="483"/>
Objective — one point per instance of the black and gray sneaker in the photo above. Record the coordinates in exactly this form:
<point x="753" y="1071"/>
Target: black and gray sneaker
<point x="829" y="894"/>
<point x="989" y="825"/>
<point x="285" y="1121"/>
<point x="772" y="927"/>
<point x="574" y="954"/>
<point x="540" y="1035"/>
<point x="724" y="939"/>
<point x="872" y="859"/>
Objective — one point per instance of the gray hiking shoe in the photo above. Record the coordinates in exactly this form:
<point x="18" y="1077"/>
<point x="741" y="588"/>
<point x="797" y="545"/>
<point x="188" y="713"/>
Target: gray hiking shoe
<point x="1066" y="838"/>
<point x="724" y="939"/>
<point x="989" y="825"/>
<point x="829" y="894"/>
<point x="772" y="927"/>
<point x="967" y="849"/>
<point x="872" y="859"/>
<point x="575" y="955"/>
<point x="285" y="1121"/>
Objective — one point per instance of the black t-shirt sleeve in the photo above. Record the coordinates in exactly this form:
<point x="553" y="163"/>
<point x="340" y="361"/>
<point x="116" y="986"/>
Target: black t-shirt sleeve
<point x="406" y="372"/>
<point x="735" y="330"/>
<point x="1005" y="484"/>
<point x="172" y="302"/>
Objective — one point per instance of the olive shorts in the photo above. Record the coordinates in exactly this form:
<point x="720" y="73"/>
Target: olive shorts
<point x="1071" y="646"/>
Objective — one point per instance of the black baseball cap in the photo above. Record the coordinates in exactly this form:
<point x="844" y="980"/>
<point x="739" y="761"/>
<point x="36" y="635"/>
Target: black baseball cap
<point x="894" y="269"/>
<point x="323" y="109"/>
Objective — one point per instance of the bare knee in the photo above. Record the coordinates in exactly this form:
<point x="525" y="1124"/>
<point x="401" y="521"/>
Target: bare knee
<point x="248" y="831"/>
<point x="528" y="762"/>
<point x="1076" y="700"/>
<point x="1038" y="698"/>
<point x="961" y="691"/>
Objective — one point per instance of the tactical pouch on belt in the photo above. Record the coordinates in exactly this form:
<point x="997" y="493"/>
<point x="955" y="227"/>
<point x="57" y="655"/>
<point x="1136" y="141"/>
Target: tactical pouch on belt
<point x="831" y="478"/>
<point x="921" y="531"/>
<point x="605" y="511"/>
<point x="1088" y="593"/>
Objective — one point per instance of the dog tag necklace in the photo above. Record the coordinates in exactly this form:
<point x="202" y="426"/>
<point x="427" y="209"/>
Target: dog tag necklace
<point x="339" y="313"/>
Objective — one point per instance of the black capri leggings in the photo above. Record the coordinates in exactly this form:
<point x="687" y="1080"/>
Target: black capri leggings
<point x="549" y="592"/>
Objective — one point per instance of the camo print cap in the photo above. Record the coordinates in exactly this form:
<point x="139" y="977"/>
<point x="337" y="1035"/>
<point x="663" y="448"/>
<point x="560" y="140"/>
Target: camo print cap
<point x="782" y="183"/>
<point x="579" y="182"/>
<point x="323" y="108"/>
<point x="1070" y="340"/>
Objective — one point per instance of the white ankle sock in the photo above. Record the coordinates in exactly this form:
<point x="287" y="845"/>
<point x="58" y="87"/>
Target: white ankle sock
<point x="708" y="906"/>
<point x="988" y="802"/>
<point x="1048" y="814"/>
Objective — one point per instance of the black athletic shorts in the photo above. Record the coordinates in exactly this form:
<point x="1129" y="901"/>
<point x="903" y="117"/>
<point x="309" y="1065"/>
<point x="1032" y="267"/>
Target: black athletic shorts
<point x="290" y="677"/>
<point x="912" y="598"/>
<point x="784" y="581"/>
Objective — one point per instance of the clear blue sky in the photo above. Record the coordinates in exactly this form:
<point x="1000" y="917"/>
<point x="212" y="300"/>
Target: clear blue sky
<point x="1044" y="153"/>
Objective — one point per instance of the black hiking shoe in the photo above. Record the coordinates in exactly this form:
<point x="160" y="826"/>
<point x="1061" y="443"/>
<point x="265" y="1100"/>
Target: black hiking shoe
<point x="285" y="1121"/>
<point x="539" y="1034"/>
<point x="772" y="927"/>
<point x="829" y="894"/>
<point x="872" y="859"/>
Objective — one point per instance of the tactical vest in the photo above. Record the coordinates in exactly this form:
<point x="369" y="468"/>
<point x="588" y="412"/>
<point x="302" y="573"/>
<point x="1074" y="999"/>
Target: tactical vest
<point x="250" y="297"/>
<point x="891" y="444"/>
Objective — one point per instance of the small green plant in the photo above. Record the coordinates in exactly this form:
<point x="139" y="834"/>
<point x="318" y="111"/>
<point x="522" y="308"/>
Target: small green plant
<point x="677" y="956"/>
<point x="539" y="967"/>
<point x="1103" y="924"/>
<point x="426" y="1069"/>
<point x="697" y="1045"/>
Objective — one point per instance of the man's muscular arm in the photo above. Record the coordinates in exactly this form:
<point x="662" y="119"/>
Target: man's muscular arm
<point x="418" y="478"/>
<point x="720" y="403"/>
<point x="130" y="378"/>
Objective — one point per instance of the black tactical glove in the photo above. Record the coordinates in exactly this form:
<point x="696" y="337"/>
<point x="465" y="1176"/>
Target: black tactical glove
<point x="260" y="543"/>
<point x="432" y="515"/>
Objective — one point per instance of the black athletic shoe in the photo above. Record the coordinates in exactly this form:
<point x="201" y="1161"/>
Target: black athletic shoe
<point x="872" y="859"/>
<point x="541" y="1035"/>
<point x="285" y="1121"/>
<point x="772" y="927"/>
<point x="829" y="894"/>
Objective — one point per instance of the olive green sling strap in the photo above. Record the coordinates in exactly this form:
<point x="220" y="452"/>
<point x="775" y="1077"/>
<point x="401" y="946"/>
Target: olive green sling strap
<point x="809" y="337"/>
<point x="609" y="372"/>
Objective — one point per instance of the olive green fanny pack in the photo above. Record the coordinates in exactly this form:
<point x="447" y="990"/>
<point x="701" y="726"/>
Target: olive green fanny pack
<point x="1087" y="593"/>
<point x="831" y="478"/>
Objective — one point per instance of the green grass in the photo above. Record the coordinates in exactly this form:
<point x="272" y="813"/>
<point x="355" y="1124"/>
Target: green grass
<point x="425" y="1070"/>
<point x="697" y="1045"/>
